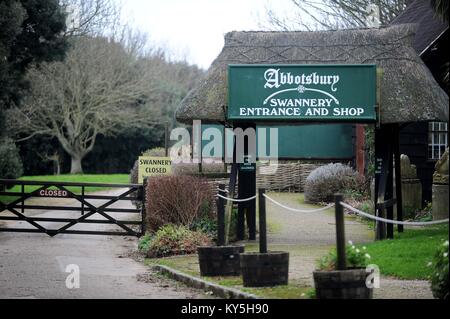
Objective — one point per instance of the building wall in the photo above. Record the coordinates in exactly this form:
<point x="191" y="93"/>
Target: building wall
<point x="414" y="143"/>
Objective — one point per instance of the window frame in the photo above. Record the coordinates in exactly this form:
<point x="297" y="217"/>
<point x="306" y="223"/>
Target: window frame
<point x="441" y="129"/>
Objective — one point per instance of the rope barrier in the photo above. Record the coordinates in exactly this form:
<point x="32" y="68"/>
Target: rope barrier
<point x="222" y="190"/>
<point x="384" y="220"/>
<point x="298" y="210"/>
<point x="237" y="199"/>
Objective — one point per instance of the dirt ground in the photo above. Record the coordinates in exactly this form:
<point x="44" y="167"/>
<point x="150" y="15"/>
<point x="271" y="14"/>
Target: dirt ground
<point x="34" y="265"/>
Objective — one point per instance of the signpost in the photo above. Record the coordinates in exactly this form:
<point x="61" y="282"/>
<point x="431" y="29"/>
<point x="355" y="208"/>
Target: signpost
<point x="298" y="95"/>
<point x="153" y="166"/>
<point x="280" y="93"/>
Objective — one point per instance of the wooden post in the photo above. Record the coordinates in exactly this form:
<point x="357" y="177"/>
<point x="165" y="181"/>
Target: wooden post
<point x="143" y="206"/>
<point x="166" y="139"/>
<point x="82" y="203"/>
<point x="388" y="196"/>
<point x="221" y="217"/>
<point x="262" y="221"/>
<point x="247" y="188"/>
<point x="340" y="233"/>
<point x="231" y="191"/>
<point x="359" y="149"/>
<point x="383" y="152"/>
<point x="22" y="194"/>
<point x="398" y="179"/>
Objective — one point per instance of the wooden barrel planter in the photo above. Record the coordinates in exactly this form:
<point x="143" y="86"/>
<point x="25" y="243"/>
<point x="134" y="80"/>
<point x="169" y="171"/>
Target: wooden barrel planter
<point x="342" y="284"/>
<point x="265" y="269"/>
<point x="220" y="260"/>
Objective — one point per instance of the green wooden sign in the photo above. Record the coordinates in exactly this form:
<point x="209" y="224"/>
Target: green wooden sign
<point x="302" y="92"/>
<point x="332" y="141"/>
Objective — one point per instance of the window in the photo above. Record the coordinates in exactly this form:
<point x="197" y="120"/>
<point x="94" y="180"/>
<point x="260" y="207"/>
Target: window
<point x="437" y="139"/>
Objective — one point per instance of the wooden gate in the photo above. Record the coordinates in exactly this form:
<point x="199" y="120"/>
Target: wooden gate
<point x="17" y="205"/>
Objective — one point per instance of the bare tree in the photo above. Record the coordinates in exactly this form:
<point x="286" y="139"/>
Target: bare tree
<point x="52" y="157"/>
<point x="100" y="88"/>
<point x="331" y="14"/>
<point x="91" y="17"/>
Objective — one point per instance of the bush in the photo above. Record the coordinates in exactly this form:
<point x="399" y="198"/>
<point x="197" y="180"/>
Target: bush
<point x="178" y="200"/>
<point x="325" y="181"/>
<point x="207" y="225"/>
<point x="356" y="258"/>
<point x="192" y="168"/>
<point x="439" y="278"/>
<point x="10" y="162"/>
<point x="172" y="240"/>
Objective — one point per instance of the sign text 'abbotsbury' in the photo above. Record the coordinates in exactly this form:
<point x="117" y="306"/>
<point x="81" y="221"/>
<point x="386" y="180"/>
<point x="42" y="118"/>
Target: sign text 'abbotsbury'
<point x="302" y="92"/>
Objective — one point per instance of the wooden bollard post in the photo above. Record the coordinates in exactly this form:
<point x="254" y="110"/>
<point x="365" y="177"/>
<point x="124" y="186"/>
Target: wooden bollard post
<point x="143" y="197"/>
<point x="221" y="217"/>
<point x="340" y="233"/>
<point x="262" y="221"/>
<point x="166" y="139"/>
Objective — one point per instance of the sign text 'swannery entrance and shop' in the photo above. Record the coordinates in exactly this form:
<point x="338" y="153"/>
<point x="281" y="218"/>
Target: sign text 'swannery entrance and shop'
<point x="302" y="92"/>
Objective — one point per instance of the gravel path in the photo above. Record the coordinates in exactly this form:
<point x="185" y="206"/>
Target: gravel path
<point x="33" y="266"/>
<point x="316" y="229"/>
<point x="308" y="236"/>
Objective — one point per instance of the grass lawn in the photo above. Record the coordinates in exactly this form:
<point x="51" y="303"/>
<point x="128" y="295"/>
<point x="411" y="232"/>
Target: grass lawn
<point x="76" y="178"/>
<point x="407" y="256"/>
<point x="189" y="265"/>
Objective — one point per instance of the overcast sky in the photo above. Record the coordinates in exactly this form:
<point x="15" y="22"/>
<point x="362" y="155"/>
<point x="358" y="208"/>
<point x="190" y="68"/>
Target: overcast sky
<point x="195" y="28"/>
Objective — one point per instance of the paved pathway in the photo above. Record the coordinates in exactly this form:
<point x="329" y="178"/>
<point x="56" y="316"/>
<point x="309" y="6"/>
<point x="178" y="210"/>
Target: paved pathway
<point x="33" y="266"/>
<point x="309" y="236"/>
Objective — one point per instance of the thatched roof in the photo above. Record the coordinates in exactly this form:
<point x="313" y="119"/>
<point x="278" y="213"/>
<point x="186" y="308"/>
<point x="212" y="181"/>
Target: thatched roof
<point x="430" y="26"/>
<point x="409" y="92"/>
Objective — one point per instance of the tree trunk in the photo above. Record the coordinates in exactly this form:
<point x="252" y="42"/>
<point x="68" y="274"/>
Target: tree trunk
<point x="75" y="166"/>
<point x="56" y="167"/>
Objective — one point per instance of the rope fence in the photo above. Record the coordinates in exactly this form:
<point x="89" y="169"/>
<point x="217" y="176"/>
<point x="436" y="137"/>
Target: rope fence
<point x="343" y="204"/>
<point x="298" y="210"/>
<point x="390" y="221"/>
<point x="238" y="200"/>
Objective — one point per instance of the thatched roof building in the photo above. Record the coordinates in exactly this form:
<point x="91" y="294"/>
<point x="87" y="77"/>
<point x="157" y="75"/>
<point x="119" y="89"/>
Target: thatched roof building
<point x="409" y="92"/>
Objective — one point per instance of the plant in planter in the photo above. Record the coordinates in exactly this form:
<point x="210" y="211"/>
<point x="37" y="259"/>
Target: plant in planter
<point x="349" y="283"/>
<point x="356" y="258"/>
<point x="343" y="273"/>
<point x="266" y="268"/>
<point x="222" y="259"/>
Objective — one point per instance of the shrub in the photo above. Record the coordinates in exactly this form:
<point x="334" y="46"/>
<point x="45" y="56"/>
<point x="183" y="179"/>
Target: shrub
<point x="10" y="162"/>
<point x="172" y="240"/>
<point x="192" y="168"/>
<point x="144" y="243"/>
<point x="205" y="224"/>
<point x="439" y="278"/>
<point x="355" y="258"/>
<point x="178" y="200"/>
<point x="323" y="182"/>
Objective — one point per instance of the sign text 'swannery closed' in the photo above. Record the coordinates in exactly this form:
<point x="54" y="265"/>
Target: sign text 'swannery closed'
<point x="152" y="166"/>
<point x="302" y="92"/>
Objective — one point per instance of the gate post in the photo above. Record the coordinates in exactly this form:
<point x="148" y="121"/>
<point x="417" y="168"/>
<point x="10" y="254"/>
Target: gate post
<point x="143" y="205"/>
